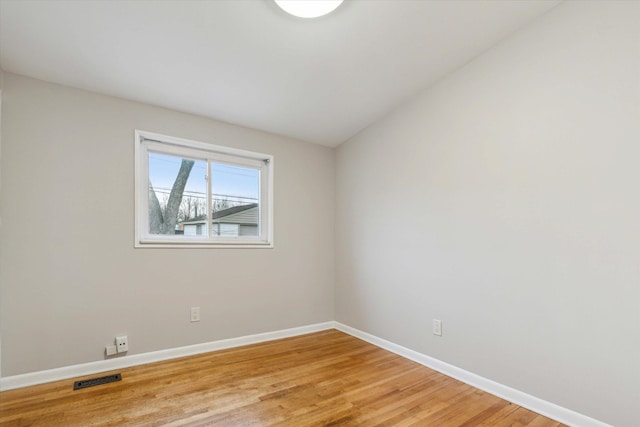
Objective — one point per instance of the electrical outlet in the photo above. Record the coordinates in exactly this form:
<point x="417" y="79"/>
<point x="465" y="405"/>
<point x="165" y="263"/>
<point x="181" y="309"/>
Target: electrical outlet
<point x="110" y="350"/>
<point x="437" y="327"/>
<point x="122" y="344"/>
<point x="195" y="314"/>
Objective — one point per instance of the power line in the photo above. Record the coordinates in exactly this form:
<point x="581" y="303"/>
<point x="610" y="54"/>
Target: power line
<point x="201" y="195"/>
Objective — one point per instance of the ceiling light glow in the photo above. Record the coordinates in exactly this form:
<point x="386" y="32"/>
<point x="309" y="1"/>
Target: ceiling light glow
<point x="308" y="8"/>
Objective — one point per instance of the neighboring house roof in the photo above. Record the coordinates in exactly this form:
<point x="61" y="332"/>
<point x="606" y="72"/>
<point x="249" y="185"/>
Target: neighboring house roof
<point x="243" y="214"/>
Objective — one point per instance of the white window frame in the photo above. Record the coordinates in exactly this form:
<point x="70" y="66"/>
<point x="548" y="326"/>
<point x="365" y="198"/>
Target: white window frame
<point x="149" y="142"/>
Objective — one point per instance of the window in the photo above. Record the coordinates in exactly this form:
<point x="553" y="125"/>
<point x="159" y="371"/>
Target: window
<point x="193" y="194"/>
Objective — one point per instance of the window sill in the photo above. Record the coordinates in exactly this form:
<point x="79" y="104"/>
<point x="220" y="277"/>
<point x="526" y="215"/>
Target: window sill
<point x="152" y="244"/>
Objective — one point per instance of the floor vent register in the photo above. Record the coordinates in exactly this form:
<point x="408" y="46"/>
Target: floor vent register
<point x="96" y="381"/>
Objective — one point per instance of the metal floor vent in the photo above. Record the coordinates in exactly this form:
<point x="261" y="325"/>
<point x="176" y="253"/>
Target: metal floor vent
<point x="96" y="381"/>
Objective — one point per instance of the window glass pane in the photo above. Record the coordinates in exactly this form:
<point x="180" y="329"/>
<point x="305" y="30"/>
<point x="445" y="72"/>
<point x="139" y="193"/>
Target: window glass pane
<point x="235" y="200"/>
<point x="177" y="195"/>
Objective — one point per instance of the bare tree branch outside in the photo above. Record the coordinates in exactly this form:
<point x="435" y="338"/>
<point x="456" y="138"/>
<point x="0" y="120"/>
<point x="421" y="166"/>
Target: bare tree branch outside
<point x="163" y="219"/>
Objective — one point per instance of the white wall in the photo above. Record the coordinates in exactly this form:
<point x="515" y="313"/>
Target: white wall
<point x="70" y="277"/>
<point x="1" y="85"/>
<point x="504" y="201"/>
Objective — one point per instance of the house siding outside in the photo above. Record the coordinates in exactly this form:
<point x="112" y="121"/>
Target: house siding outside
<point x="243" y="223"/>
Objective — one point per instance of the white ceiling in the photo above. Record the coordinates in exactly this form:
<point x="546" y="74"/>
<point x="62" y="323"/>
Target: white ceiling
<point x="248" y="63"/>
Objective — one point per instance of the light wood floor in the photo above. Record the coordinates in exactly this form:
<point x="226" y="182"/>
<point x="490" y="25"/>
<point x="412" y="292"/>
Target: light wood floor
<point x="326" y="378"/>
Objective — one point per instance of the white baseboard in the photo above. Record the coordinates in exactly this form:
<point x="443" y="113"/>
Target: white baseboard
<point x="40" y="377"/>
<point x="548" y="409"/>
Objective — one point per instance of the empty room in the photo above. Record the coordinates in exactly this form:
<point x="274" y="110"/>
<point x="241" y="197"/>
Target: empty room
<point x="313" y="213"/>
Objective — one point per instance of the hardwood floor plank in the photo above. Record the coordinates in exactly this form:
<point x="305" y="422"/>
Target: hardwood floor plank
<point x="326" y="378"/>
